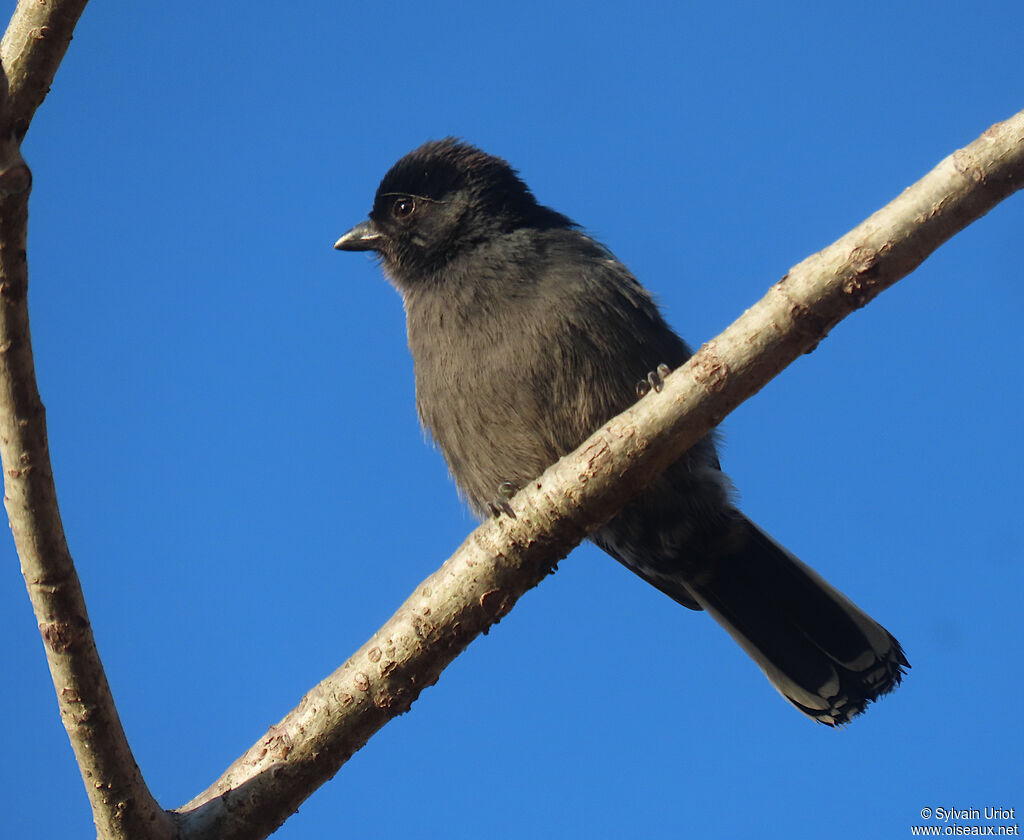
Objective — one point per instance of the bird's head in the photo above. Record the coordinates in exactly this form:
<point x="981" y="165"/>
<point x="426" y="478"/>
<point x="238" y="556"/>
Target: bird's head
<point x="438" y="200"/>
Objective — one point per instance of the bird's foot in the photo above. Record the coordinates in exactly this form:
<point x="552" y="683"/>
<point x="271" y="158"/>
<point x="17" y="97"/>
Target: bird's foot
<point x="500" y="504"/>
<point x="655" y="380"/>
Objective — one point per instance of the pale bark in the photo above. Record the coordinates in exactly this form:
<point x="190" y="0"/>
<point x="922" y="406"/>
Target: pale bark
<point x="497" y="563"/>
<point x="122" y="806"/>
<point x="31" y="51"/>
<point x="503" y="558"/>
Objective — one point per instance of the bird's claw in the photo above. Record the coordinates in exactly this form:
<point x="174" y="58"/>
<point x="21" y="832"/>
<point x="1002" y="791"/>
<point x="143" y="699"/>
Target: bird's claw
<point x="655" y="380"/>
<point x="500" y="505"/>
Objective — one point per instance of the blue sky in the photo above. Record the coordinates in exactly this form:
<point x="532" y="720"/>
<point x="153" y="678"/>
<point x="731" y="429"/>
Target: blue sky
<point x="248" y="496"/>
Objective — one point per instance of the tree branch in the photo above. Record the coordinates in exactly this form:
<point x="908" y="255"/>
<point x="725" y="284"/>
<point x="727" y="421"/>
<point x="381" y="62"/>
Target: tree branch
<point x="122" y="804"/>
<point x="31" y="51"/>
<point x="497" y="563"/>
<point x="504" y="558"/>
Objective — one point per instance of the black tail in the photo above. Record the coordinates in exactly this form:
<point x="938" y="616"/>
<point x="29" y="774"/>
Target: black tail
<point x="822" y="652"/>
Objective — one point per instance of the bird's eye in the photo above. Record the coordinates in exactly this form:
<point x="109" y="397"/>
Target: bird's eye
<point x="403" y="208"/>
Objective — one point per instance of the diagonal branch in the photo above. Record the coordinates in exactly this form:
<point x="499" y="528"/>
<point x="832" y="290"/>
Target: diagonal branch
<point x="122" y="805"/>
<point x="31" y="51"/>
<point x="498" y="562"/>
<point x="504" y="558"/>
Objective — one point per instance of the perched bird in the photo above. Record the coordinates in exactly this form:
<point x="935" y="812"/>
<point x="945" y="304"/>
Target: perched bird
<point x="526" y="336"/>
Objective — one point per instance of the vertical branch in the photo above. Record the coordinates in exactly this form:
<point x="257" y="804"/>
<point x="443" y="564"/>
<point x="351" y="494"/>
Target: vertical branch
<point x="122" y="805"/>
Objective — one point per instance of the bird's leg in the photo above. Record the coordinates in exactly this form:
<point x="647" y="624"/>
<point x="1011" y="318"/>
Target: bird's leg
<point x="655" y="379"/>
<point x="500" y="504"/>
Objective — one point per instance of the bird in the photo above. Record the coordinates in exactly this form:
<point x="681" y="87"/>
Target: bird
<point x="527" y="335"/>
